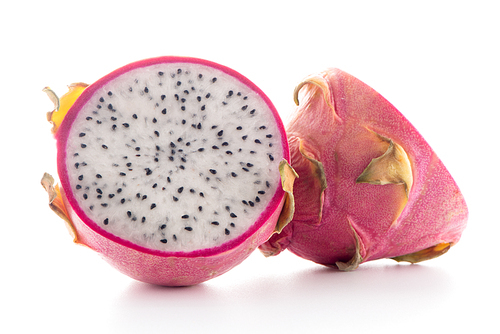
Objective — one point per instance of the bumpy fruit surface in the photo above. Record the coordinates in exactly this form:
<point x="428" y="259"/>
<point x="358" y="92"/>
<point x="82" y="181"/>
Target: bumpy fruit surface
<point x="369" y="185"/>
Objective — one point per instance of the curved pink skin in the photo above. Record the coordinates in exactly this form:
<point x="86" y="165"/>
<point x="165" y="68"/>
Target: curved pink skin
<point x="343" y="140"/>
<point x="157" y="267"/>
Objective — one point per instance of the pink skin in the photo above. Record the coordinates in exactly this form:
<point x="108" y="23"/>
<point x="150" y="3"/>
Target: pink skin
<point x="157" y="267"/>
<point x="343" y="141"/>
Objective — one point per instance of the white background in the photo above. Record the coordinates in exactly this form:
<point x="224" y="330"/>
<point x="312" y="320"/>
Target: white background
<point x="436" y="61"/>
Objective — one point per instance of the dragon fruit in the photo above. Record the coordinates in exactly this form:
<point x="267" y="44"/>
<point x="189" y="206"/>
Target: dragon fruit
<point x="369" y="185"/>
<point x="174" y="169"/>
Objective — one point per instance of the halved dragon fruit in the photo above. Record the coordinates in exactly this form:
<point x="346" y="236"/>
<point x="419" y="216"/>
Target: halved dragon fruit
<point x="170" y="168"/>
<point x="369" y="185"/>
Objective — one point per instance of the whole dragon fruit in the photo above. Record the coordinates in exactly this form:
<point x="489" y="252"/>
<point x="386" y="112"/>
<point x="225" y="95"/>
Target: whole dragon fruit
<point x="369" y="185"/>
<point x="174" y="169"/>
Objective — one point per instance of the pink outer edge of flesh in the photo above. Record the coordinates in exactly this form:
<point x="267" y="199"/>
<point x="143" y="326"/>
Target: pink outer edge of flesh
<point x="64" y="129"/>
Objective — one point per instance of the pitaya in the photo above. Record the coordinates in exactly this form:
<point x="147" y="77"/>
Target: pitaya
<point x="369" y="185"/>
<point x="170" y="168"/>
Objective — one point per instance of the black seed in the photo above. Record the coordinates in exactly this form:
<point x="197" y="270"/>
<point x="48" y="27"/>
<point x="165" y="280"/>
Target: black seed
<point x="168" y="179"/>
<point x="249" y="165"/>
<point x="183" y="121"/>
<point x="155" y="120"/>
<point x="122" y="174"/>
<point x="213" y="171"/>
<point x="143" y="219"/>
<point x="137" y="148"/>
<point x="226" y="231"/>
<point x="104" y="204"/>
<point x="78" y="186"/>
<point x="185" y="216"/>
<point x="134" y="116"/>
<point x="129" y="164"/>
<point x="146" y="90"/>
<point x="80" y="177"/>
<point x="125" y="125"/>
<point x="180" y="190"/>
<point x="257" y="141"/>
<point x="186" y="91"/>
<point x="215" y="223"/>
<point x="175" y="198"/>
<point x="171" y="158"/>
<point x="164" y="241"/>
<point x="101" y="99"/>
<point x="122" y="200"/>
<point x="214" y="79"/>
<point x="183" y="108"/>
<point x="183" y="159"/>
<point x="88" y="118"/>
<point x="113" y="118"/>
<point x="174" y="236"/>
<point x="91" y="207"/>
<point x="271" y="157"/>
<point x="160" y="73"/>
<point x="233" y="215"/>
<point x="119" y="190"/>
<point x="225" y="143"/>
<point x="252" y="111"/>
<point x="220" y="133"/>
<point x="257" y="199"/>
<point x="85" y="196"/>
<point x="82" y="134"/>
<point x="99" y="196"/>
<point x="245" y="169"/>
<point x="110" y="106"/>
<point x="106" y="221"/>
<point x="138" y="195"/>
<point x="98" y="122"/>
<point x="233" y="174"/>
<point x="198" y="126"/>
<point x="215" y="147"/>
<point x="269" y="136"/>
<point x="270" y="144"/>
<point x="164" y="111"/>
<point x="244" y="107"/>
<point x="229" y="152"/>
<point x="244" y="202"/>
<point x="207" y="96"/>
<point x="200" y="208"/>
<point x="99" y="191"/>
<point x="188" y="228"/>
<point x="268" y="184"/>
<point x="163" y="97"/>
<point x="99" y="176"/>
<point x="201" y="149"/>
<point x="155" y="185"/>
<point x="244" y="137"/>
<point x="109" y="93"/>
<point x="111" y="195"/>
<point x="163" y="226"/>
<point x="104" y="147"/>
<point x="153" y="206"/>
<point x="113" y="127"/>
<point x="251" y="203"/>
<point x="179" y="83"/>
<point x="202" y="195"/>
<point x="181" y="167"/>
<point x="83" y="146"/>
<point x="129" y="214"/>
<point x="200" y="76"/>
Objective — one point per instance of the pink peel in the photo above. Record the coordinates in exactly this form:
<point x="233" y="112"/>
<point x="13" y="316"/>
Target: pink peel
<point x="377" y="191"/>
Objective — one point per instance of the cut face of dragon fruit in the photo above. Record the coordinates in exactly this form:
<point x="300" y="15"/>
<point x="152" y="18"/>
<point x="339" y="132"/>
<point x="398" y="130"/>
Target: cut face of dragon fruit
<point x="369" y="185"/>
<point x="170" y="168"/>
